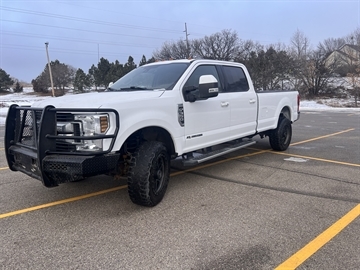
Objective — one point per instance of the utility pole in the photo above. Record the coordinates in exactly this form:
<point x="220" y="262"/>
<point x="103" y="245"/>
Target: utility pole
<point x="51" y="78"/>
<point x="187" y="42"/>
<point x="98" y="54"/>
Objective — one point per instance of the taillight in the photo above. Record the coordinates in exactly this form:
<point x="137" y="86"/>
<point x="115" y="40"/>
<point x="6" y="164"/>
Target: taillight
<point x="298" y="103"/>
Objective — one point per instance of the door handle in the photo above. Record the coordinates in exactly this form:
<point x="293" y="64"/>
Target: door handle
<point x="252" y="101"/>
<point x="224" y="104"/>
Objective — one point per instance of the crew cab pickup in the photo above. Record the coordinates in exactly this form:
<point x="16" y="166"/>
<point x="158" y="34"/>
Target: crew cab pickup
<point x="195" y="110"/>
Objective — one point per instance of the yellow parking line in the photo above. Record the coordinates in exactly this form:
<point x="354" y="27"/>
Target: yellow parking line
<point x="308" y="250"/>
<point x="4" y="168"/>
<point x="174" y="174"/>
<point x="322" y="137"/>
<point x="73" y="199"/>
<point x="46" y="205"/>
<point x="314" y="158"/>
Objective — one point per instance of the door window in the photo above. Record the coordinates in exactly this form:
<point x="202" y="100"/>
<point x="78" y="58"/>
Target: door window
<point x="235" y="79"/>
<point x="192" y="83"/>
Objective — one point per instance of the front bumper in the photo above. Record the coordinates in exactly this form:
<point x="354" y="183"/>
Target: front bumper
<point x="34" y="146"/>
<point x="57" y="169"/>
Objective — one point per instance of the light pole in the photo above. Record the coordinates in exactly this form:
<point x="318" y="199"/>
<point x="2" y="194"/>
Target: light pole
<point x="51" y="78"/>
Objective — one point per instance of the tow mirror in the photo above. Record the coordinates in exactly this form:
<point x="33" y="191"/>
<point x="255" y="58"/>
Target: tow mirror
<point x="208" y="87"/>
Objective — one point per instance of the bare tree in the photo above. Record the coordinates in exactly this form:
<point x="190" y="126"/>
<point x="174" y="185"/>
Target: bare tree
<point x="354" y="37"/>
<point x="172" y="50"/>
<point x="300" y="44"/>
<point x="246" y="47"/>
<point x="353" y="79"/>
<point x="223" y="45"/>
<point x="315" y="75"/>
<point x="330" y="44"/>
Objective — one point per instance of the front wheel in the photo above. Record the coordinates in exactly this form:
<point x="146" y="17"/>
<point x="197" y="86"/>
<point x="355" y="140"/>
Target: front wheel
<point x="280" y="137"/>
<point x="149" y="174"/>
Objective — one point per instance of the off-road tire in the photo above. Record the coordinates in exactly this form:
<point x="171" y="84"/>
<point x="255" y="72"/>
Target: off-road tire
<point x="149" y="173"/>
<point x="280" y="137"/>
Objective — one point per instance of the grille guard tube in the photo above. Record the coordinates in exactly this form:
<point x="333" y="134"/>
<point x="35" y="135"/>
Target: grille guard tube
<point x="43" y="137"/>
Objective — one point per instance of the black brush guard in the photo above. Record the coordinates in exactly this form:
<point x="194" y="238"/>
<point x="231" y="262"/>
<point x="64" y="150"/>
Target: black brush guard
<point x="34" y="146"/>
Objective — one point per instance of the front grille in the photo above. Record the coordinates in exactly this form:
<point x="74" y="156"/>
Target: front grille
<point x="64" y="117"/>
<point x="49" y="130"/>
<point x="62" y="146"/>
<point x="27" y="126"/>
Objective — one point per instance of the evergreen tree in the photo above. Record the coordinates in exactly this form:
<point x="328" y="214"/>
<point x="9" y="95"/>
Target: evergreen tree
<point x="5" y="81"/>
<point x="18" y="88"/>
<point x="151" y="60"/>
<point x="81" y="80"/>
<point x="62" y="74"/>
<point x="100" y="73"/>
<point x="92" y="72"/>
<point x="129" y="66"/>
<point x="116" y="72"/>
<point x="268" y="69"/>
<point x="143" y="61"/>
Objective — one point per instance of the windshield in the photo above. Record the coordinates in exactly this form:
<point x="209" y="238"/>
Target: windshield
<point x="150" y="77"/>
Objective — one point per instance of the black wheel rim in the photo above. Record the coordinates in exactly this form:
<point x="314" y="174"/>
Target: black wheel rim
<point x="285" y="136"/>
<point x="159" y="174"/>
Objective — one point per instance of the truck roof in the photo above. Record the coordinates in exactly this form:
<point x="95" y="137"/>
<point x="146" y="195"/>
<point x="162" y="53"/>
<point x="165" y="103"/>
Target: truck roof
<point x="189" y="61"/>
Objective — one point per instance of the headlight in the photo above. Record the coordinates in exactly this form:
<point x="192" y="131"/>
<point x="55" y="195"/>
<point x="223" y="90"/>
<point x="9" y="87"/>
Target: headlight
<point x="92" y="125"/>
<point x="85" y="125"/>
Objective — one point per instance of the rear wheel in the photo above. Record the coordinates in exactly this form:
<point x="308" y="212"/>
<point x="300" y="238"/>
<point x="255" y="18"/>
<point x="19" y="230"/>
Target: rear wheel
<point x="280" y="137"/>
<point x="149" y="173"/>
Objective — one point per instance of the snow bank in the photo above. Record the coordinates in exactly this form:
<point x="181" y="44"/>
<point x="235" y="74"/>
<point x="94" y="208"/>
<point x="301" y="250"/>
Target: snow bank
<point x="21" y="99"/>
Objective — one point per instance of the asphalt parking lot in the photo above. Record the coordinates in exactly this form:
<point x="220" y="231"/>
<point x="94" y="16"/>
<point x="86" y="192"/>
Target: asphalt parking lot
<point x="251" y="209"/>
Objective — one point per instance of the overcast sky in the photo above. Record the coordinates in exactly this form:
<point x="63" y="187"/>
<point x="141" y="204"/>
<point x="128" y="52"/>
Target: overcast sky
<point x="81" y="31"/>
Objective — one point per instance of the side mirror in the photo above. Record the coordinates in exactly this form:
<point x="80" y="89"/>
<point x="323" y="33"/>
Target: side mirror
<point x="208" y="87"/>
<point x="110" y="84"/>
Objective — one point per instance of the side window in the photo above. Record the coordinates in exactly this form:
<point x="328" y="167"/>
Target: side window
<point x="199" y="71"/>
<point x="235" y="79"/>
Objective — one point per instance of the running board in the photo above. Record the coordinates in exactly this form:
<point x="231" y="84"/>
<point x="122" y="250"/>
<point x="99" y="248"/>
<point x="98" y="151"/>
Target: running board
<point x="199" y="158"/>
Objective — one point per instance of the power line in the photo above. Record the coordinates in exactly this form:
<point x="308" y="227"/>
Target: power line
<point x="74" y="39"/>
<point x="83" y="30"/>
<point x="144" y="17"/>
<point x="60" y="50"/>
<point x="17" y="10"/>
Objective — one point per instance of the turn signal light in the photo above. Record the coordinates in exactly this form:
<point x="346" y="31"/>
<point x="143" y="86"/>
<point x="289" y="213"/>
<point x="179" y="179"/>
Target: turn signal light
<point x="104" y="124"/>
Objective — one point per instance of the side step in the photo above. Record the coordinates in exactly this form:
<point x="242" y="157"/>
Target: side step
<point x="199" y="158"/>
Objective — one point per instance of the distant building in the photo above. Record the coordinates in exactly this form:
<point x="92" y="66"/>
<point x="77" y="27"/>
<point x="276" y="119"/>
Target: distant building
<point x="346" y="55"/>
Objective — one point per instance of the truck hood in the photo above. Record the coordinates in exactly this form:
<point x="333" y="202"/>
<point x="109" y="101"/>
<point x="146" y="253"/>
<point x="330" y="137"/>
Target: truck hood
<point x="97" y="100"/>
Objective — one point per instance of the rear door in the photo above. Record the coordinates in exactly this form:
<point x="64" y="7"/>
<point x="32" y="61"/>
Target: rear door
<point x="243" y="102"/>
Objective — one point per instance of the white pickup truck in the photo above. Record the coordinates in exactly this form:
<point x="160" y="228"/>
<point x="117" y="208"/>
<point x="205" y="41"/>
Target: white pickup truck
<point x="193" y="109"/>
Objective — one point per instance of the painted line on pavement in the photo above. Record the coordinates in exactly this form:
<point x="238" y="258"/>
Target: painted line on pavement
<point x="73" y="199"/>
<point x="46" y="205"/>
<point x="312" y="247"/>
<point x="173" y="174"/>
<point x="318" y="159"/>
<point x="322" y="137"/>
<point x="4" y="168"/>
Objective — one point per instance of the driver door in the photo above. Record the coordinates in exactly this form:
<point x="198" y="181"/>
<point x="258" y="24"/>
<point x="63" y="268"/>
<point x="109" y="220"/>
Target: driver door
<point x="206" y="121"/>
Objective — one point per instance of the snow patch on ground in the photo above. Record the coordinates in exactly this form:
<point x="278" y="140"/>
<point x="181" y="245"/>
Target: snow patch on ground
<point x="27" y="98"/>
<point x="295" y="159"/>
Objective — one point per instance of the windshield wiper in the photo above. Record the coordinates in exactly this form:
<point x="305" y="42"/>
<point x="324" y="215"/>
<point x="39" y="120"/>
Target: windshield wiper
<point x="135" y="88"/>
